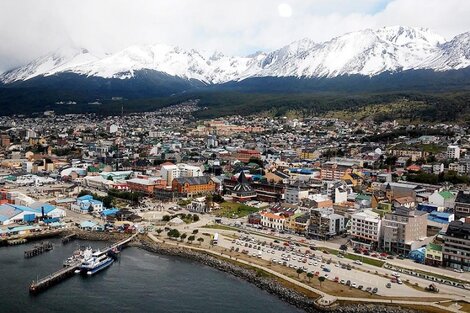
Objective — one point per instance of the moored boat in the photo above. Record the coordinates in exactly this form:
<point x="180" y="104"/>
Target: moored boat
<point x="95" y="264"/>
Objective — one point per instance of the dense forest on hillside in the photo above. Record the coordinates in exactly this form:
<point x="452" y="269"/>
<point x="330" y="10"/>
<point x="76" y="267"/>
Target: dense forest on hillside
<point x="378" y="107"/>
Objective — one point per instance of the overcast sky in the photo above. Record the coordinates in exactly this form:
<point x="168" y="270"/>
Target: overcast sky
<point x="31" y="28"/>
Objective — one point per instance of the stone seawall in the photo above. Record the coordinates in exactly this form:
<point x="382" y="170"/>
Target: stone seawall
<point x="97" y="236"/>
<point x="264" y="282"/>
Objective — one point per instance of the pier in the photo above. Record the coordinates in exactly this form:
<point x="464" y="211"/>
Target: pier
<point x="14" y="242"/>
<point x="54" y="278"/>
<point x="38" y="249"/>
<point x="68" y="238"/>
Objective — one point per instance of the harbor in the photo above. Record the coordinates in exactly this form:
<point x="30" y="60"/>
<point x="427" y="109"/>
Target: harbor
<point x="86" y="262"/>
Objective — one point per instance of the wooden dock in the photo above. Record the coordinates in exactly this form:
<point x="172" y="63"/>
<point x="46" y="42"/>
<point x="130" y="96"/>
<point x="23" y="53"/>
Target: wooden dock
<point x="38" y="249"/>
<point x="54" y="278"/>
<point x="68" y="238"/>
<point x="14" y="242"/>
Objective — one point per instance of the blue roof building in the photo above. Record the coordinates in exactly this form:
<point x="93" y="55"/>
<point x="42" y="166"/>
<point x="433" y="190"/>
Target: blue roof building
<point x="440" y="217"/>
<point x="418" y="255"/>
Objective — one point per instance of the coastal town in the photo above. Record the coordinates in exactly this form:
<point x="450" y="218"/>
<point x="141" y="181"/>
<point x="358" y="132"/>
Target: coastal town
<point x="343" y="209"/>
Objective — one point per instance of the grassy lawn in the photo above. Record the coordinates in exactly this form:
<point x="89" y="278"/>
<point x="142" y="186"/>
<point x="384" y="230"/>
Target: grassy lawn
<point x="370" y="261"/>
<point x="217" y="226"/>
<point x="234" y="210"/>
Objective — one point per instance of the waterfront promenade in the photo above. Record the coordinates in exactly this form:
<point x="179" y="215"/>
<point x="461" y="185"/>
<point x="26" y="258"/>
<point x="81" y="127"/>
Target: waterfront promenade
<point x="323" y="298"/>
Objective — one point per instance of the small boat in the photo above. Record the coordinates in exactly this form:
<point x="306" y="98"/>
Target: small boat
<point x="78" y="255"/>
<point x="95" y="264"/>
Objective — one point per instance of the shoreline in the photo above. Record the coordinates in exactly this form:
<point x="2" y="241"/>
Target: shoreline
<point x="262" y="280"/>
<point x="265" y="281"/>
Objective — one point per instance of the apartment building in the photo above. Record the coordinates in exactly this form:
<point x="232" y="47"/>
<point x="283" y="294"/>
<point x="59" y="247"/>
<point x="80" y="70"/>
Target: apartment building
<point x="325" y="223"/>
<point x="334" y="170"/>
<point x="365" y="229"/>
<point x="171" y="171"/>
<point x="456" y="249"/>
<point x="244" y="155"/>
<point x="462" y="204"/>
<point x="453" y="152"/>
<point x="404" y="230"/>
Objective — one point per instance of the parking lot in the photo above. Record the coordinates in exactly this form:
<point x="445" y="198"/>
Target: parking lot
<point x="341" y="271"/>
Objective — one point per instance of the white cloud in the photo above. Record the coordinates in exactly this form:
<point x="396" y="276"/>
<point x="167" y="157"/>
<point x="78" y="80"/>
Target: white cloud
<point x="30" y="28"/>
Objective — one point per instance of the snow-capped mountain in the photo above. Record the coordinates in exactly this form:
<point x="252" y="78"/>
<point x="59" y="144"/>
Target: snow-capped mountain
<point x="61" y="60"/>
<point x="368" y="52"/>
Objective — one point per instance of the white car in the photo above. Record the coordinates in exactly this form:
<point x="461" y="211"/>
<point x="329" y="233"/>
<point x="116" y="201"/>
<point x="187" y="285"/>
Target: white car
<point x="458" y="270"/>
<point x="395" y="274"/>
<point x="358" y="262"/>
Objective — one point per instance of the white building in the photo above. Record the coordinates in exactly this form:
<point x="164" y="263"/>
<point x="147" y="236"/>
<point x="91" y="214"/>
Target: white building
<point x="341" y="195"/>
<point x="294" y="195"/>
<point x="198" y="205"/>
<point x="453" y="152"/>
<point x="443" y="199"/>
<point x="171" y="171"/>
<point x="113" y="128"/>
<point x="365" y="228"/>
<point x="273" y="221"/>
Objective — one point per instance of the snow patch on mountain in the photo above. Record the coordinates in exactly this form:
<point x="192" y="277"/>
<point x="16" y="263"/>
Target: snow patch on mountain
<point x="367" y="52"/>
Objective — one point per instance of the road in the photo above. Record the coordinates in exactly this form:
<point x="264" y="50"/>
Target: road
<point x="360" y="275"/>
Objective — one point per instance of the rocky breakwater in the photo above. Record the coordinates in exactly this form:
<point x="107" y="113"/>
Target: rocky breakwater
<point x="261" y="280"/>
<point x="98" y="235"/>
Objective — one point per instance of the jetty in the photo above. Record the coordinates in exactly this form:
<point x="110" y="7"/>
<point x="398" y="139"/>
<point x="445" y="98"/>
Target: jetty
<point x="38" y="249"/>
<point x="14" y="242"/>
<point x="68" y="238"/>
<point x="56" y="277"/>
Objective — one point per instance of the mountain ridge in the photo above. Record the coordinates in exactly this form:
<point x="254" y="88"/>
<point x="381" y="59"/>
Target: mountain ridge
<point x="368" y="52"/>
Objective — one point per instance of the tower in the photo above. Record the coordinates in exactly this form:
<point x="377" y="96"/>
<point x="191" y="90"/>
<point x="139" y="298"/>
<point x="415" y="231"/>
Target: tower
<point x="389" y="193"/>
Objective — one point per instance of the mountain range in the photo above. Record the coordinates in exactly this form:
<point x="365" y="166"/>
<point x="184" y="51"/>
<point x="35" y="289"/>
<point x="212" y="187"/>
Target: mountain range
<point x="366" y="53"/>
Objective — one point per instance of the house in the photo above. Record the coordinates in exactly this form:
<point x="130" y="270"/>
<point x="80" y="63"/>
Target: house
<point x="433" y="255"/>
<point x="254" y="219"/>
<point x="90" y="226"/>
<point x="199" y="205"/>
<point x="86" y="204"/>
<point x="418" y="255"/>
<point x="298" y="223"/>
<point x="320" y="201"/>
<point x="407" y="202"/>
<point x="443" y="199"/>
